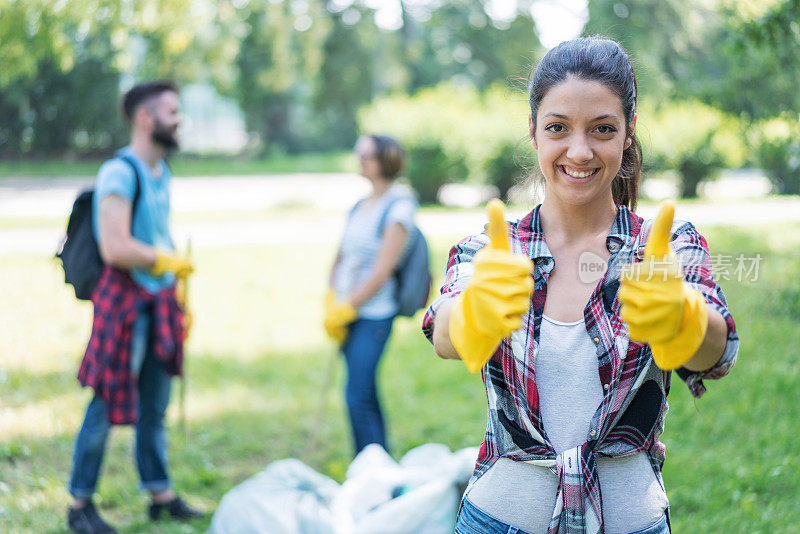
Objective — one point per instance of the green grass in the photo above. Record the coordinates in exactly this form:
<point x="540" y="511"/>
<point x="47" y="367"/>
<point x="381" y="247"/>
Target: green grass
<point x="256" y="363"/>
<point x="183" y="165"/>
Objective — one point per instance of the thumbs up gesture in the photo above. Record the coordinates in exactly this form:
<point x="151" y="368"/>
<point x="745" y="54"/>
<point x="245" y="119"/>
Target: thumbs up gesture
<point x="496" y="298"/>
<point x="660" y="307"/>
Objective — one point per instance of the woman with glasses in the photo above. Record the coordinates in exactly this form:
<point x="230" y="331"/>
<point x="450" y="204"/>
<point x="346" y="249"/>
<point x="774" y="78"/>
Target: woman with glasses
<point x="361" y="305"/>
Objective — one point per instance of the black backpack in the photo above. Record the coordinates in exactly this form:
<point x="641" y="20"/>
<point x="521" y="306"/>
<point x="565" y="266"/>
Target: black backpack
<point x="79" y="253"/>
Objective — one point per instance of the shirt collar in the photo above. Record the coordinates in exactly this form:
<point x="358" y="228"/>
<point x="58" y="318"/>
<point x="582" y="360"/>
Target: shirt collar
<point x="623" y="232"/>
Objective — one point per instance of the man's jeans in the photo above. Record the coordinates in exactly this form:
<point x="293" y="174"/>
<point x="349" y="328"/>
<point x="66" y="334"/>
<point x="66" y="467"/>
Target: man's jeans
<point x="151" y="439"/>
<point x="366" y="340"/>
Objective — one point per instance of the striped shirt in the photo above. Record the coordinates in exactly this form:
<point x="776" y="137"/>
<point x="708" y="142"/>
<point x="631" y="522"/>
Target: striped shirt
<point x="630" y="418"/>
<point x="360" y="245"/>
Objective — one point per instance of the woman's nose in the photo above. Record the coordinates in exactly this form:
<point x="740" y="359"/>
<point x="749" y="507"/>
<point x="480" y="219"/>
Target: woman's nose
<point x="579" y="149"/>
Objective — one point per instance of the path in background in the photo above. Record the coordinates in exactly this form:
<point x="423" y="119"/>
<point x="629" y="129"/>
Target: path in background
<point x="295" y="208"/>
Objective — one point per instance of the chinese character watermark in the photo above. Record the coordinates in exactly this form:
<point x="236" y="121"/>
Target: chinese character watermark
<point x="740" y="267"/>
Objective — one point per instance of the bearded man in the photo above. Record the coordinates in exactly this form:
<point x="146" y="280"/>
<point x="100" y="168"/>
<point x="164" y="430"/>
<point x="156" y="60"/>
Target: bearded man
<point x="138" y="330"/>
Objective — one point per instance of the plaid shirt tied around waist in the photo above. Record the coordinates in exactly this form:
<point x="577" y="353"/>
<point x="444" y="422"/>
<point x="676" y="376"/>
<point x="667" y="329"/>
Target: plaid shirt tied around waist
<point x="106" y="365"/>
<point x="631" y="417"/>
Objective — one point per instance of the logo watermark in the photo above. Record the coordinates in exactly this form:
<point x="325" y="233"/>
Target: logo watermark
<point x="591" y="267"/>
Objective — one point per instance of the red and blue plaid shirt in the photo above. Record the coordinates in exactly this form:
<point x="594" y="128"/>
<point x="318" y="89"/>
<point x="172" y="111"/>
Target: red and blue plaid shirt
<point x="631" y="416"/>
<point x="106" y="365"/>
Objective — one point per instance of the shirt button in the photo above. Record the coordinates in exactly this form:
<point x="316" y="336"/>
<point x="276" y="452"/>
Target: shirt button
<point x="592" y="433"/>
<point x="596" y="340"/>
<point x="605" y="387"/>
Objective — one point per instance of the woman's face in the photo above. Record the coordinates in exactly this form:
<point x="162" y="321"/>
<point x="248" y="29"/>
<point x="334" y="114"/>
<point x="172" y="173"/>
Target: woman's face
<point x="580" y="135"/>
<point x="366" y="151"/>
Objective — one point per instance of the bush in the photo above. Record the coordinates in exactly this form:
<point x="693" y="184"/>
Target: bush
<point x="469" y="128"/>
<point x="508" y="166"/>
<point x="694" y="139"/>
<point x="429" y="168"/>
<point x="775" y="145"/>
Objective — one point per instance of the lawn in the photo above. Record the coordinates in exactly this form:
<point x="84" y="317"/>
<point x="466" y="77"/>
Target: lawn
<point x="256" y="362"/>
<point x="185" y="165"/>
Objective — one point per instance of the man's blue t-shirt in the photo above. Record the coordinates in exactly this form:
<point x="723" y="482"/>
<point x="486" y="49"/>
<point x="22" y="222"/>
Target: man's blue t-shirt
<point x="151" y="218"/>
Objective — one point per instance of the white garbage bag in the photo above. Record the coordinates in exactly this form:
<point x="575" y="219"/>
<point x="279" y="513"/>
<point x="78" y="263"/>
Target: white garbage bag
<point x="287" y="497"/>
<point x="418" y="495"/>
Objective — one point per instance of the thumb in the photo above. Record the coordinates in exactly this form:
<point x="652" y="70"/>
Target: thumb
<point x="658" y="242"/>
<point x="498" y="235"/>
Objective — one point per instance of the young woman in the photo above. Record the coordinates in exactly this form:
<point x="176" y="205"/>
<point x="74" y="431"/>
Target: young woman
<point x="577" y="368"/>
<point x="361" y="305"/>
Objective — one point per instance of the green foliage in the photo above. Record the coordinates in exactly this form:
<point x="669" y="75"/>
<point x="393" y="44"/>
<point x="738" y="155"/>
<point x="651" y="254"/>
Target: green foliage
<point x="62" y="113"/>
<point x="742" y="56"/>
<point x="510" y="164"/>
<point x="661" y="36"/>
<point x="761" y="49"/>
<point x="276" y="68"/>
<point x="429" y="168"/>
<point x="61" y="97"/>
<point x="344" y="82"/>
<point x="461" y="42"/>
<point x="692" y="138"/>
<point x="472" y="128"/>
<point x="62" y="66"/>
<point x="775" y="145"/>
<point x="298" y="70"/>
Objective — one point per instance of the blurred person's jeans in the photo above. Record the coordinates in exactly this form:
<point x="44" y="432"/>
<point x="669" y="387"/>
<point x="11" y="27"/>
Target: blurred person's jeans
<point x="363" y="348"/>
<point x="151" y="439"/>
<point x="473" y="520"/>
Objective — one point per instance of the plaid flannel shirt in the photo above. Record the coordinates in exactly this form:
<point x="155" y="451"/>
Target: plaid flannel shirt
<point x="106" y="364"/>
<point x="631" y="416"/>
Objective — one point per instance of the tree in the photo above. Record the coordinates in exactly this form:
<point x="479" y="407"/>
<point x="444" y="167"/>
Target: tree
<point x="775" y="145"/>
<point x="460" y="40"/>
<point x="60" y="96"/>
<point x="659" y="36"/>
<point x="692" y="138"/>
<point x="345" y="81"/>
<point x="62" y="65"/>
<point x="762" y="60"/>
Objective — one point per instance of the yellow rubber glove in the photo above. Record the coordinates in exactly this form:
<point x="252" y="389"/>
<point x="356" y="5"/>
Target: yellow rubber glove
<point x="660" y="307"/>
<point x="180" y="265"/>
<point x="337" y="316"/>
<point x="496" y="298"/>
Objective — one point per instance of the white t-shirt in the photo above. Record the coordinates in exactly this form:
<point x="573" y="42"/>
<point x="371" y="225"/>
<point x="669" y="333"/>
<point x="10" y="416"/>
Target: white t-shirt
<point x="568" y="382"/>
<point x="361" y="243"/>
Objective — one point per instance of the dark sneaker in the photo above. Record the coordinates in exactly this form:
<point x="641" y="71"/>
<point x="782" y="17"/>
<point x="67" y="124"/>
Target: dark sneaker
<point x="176" y="509"/>
<point x="86" y="520"/>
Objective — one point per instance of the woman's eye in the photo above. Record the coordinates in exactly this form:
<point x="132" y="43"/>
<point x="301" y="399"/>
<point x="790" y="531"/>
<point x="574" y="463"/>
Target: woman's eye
<point x="605" y="129"/>
<point x="555" y="127"/>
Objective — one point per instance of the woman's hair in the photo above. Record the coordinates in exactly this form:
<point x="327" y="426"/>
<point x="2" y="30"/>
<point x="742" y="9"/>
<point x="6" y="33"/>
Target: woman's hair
<point x="389" y="154"/>
<point x="603" y="60"/>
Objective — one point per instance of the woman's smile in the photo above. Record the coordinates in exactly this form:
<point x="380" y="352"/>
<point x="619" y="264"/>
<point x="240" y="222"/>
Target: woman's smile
<point x="578" y="176"/>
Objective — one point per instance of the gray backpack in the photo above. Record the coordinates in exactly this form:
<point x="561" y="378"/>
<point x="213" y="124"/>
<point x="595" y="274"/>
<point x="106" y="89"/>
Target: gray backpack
<point x="412" y="271"/>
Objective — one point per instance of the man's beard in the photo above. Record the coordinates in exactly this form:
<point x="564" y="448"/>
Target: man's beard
<point x="164" y="137"/>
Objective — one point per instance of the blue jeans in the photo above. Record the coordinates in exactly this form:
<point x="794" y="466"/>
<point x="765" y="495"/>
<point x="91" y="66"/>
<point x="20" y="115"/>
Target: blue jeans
<point x="151" y="438"/>
<point x="473" y="520"/>
<point x="366" y="340"/>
